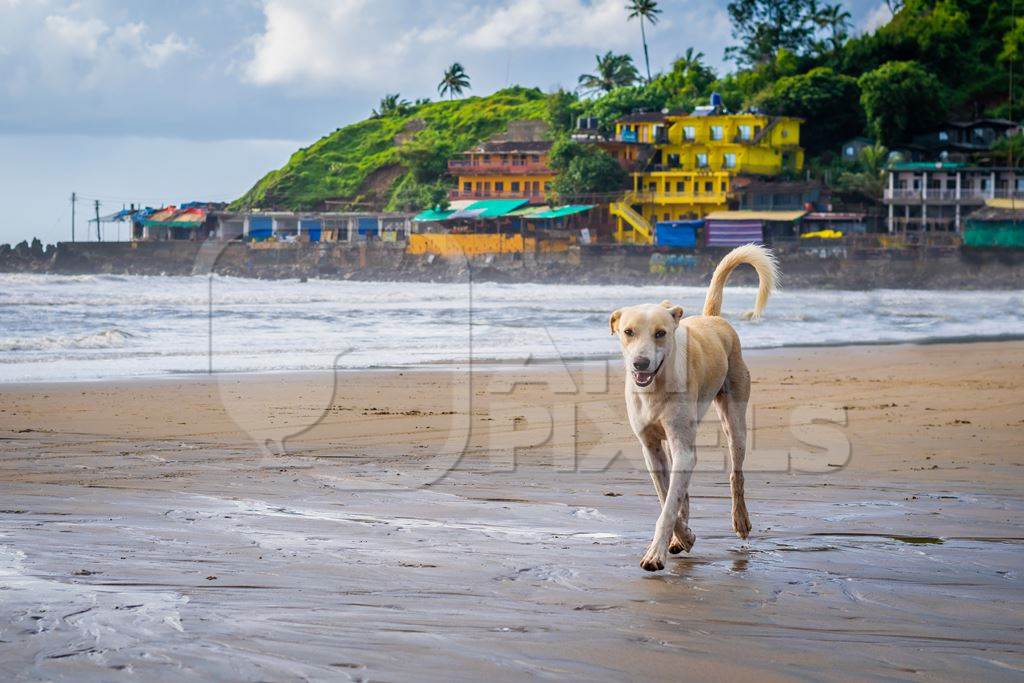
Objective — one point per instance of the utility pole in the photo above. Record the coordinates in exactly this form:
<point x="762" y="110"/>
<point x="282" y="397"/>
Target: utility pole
<point x="74" y="198"/>
<point x="97" y="205"/>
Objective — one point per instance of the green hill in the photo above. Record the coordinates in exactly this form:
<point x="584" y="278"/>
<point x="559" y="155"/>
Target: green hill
<point x="395" y="159"/>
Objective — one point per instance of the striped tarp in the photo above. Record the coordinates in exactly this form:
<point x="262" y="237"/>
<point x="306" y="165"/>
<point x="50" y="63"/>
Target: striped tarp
<point x="734" y="233"/>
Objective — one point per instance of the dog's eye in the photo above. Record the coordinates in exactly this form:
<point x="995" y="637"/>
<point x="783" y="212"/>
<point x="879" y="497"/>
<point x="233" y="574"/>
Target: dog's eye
<point x="659" y="334"/>
<point x="629" y="332"/>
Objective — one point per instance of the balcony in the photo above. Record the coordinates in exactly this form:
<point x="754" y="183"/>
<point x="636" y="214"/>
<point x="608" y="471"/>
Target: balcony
<point x="517" y="167"/>
<point x="456" y="194"/>
<point x="935" y="195"/>
<point x="677" y="197"/>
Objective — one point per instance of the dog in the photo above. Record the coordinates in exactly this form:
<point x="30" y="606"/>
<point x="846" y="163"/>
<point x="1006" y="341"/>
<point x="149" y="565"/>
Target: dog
<point x="675" y="368"/>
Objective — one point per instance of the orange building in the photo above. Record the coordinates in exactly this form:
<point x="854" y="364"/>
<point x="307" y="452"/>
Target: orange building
<point x="503" y="170"/>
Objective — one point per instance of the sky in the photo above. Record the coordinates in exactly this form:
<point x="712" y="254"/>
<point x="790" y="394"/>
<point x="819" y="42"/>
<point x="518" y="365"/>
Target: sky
<point x="153" y="102"/>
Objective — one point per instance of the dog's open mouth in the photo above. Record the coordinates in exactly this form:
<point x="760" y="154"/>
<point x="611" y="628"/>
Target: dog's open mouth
<point x="643" y="379"/>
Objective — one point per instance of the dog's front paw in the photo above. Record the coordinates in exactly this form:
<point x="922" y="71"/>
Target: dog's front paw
<point x="653" y="560"/>
<point x="741" y="521"/>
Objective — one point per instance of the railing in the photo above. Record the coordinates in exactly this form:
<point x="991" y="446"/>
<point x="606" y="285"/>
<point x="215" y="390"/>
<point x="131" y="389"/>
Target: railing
<point x="933" y="194"/>
<point x="715" y="197"/>
<point x="516" y="166"/>
<point x="455" y="194"/>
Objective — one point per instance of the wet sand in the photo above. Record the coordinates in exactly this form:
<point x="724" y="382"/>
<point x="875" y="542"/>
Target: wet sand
<point x="382" y="526"/>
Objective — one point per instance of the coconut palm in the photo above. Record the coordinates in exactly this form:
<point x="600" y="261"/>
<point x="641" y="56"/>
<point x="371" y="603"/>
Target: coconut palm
<point x="454" y="82"/>
<point x="644" y="9"/>
<point x="613" y="71"/>
<point x="691" y="59"/>
<point x="390" y="104"/>
<point x="835" y="20"/>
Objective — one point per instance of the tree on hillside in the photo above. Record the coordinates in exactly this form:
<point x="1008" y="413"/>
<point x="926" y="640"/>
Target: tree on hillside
<point x="584" y="169"/>
<point x="763" y="27"/>
<point x="613" y="71"/>
<point x="455" y="81"/>
<point x="866" y="179"/>
<point x="835" y="21"/>
<point x="828" y="102"/>
<point x="562" y="109"/>
<point x="390" y="104"/>
<point x="644" y="10"/>
<point x="900" y="99"/>
<point x="687" y="83"/>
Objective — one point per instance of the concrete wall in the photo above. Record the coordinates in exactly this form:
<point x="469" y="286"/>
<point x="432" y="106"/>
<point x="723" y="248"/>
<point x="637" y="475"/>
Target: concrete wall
<point x="833" y="267"/>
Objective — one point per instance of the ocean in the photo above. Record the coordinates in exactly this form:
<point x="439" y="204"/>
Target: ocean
<point x="56" y="328"/>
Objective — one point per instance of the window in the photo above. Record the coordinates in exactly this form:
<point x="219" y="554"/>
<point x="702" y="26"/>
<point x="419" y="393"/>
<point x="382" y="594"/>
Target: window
<point x="850" y="151"/>
<point x="702" y="160"/>
<point x="943" y="136"/>
<point x="689" y="133"/>
<point x="729" y="160"/>
<point x="652" y="187"/>
<point x="515" y="186"/>
<point x="535" y="158"/>
<point x="673" y="160"/>
<point x="723" y="187"/>
<point x="681" y="186"/>
<point x="547" y="187"/>
<point x="536" y="187"/>
<point x="499" y="186"/>
<point x="746" y="132"/>
<point x="467" y="187"/>
<point x="717" y="132"/>
<point x="709" y="186"/>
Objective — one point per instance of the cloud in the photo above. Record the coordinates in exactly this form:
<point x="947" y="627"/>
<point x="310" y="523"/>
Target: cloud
<point x="876" y="18"/>
<point x="550" y="23"/>
<point x="390" y="45"/>
<point x="74" y="46"/>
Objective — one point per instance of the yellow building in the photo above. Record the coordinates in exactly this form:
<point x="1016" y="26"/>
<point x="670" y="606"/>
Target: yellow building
<point x="503" y="170"/>
<point x="695" y="157"/>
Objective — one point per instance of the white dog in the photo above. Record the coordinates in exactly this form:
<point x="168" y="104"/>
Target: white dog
<point x="675" y="368"/>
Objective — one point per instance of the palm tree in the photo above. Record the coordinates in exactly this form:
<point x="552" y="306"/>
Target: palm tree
<point x="454" y="82"/>
<point x="835" y="20"/>
<point x="390" y="104"/>
<point x="613" y="71"/>
<point x="691" y="60"/>
<point x="644" y="9"/>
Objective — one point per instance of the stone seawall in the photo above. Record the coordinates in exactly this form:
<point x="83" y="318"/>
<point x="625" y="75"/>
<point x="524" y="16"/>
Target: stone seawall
<point x="956" y="269"/>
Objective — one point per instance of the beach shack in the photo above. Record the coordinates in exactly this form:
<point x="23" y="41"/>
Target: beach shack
<point x="736" y="228"/>
<point x="999" y="224"/>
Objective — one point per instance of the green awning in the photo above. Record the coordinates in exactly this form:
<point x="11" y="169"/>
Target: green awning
<point x="489" y="208"/>
<point x="562" y="211"/>
<point x="433" y="215"/>
<point x="529" y="211"/>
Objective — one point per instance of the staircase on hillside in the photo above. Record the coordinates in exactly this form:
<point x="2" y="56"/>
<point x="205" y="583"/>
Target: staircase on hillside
<point x="640" y="231"/>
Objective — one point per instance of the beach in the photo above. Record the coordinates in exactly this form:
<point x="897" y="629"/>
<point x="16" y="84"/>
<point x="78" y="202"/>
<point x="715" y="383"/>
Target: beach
<point x="467" y="523"/>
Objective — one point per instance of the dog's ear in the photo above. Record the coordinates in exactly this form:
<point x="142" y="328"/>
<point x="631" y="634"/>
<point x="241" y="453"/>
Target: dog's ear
<point x="613" y="321"/>
<point x="676" y="311"/>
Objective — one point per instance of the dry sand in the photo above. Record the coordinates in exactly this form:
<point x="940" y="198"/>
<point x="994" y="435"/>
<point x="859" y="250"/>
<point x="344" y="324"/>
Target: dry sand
<point x="381" y="526"/>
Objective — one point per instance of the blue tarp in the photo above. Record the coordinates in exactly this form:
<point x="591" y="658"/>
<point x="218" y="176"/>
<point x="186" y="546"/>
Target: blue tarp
<point x="260" y="227"/>
<point x="312" y="227"/>
<point x="367" y="226"/>
<point x="679" y="234"/>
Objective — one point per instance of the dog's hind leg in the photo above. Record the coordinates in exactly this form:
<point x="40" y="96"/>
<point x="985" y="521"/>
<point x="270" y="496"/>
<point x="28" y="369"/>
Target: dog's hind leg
<point x="657" y="465"/>
<point x="731" y="404"/>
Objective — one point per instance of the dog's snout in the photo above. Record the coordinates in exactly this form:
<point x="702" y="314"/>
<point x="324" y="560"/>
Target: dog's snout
<point x="641" y="363"/>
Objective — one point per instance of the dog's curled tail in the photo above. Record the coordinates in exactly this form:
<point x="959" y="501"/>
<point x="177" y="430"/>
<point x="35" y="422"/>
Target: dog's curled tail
<point x="763" y="262"/>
